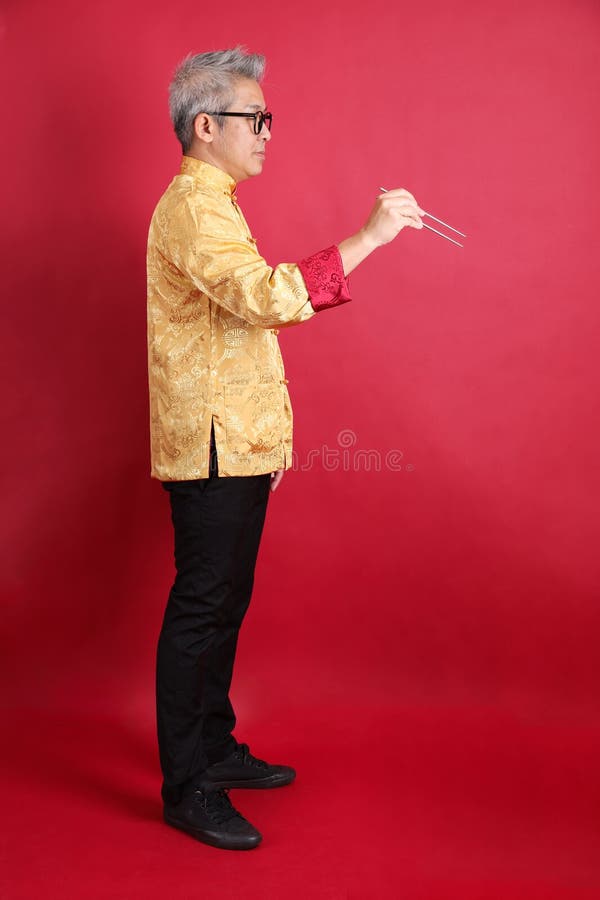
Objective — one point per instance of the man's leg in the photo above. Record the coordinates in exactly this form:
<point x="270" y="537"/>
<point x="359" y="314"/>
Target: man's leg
<point x="213" y="519"/>
<point x="218" y="716"/>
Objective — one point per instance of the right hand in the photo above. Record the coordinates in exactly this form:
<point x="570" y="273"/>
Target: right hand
<point x="392" y="212"/>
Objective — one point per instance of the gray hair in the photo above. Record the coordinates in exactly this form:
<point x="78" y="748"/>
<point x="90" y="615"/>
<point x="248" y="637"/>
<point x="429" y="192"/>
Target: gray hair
<point x="205" y="82"/>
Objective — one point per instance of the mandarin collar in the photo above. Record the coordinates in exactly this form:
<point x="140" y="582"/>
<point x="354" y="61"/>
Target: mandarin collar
<point x="206" y="172"/>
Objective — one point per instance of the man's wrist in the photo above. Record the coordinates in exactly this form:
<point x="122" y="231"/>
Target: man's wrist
<point x="355" y="249"/>
<point x="368" y="241"/>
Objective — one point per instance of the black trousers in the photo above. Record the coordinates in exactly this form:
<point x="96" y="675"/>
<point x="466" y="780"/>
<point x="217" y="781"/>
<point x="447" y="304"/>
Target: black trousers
<point x="217" y="524"/>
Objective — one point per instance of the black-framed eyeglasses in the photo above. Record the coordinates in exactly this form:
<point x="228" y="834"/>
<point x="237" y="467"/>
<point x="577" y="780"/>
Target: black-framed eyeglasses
<point x="259" y="117"/>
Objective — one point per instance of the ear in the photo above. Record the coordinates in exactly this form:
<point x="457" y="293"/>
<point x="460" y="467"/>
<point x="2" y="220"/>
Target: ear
<point x="204" y="128"/>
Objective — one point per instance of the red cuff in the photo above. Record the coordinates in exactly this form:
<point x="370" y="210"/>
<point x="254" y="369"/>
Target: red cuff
<point x="326" y="283"/>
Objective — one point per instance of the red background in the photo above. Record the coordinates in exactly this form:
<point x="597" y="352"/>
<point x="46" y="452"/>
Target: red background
<point x="422" y="644"/>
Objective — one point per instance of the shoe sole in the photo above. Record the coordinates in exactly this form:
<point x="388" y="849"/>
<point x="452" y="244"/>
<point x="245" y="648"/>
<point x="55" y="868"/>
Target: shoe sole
<point x="270" y="781"/>
<point x="249" y="842"/>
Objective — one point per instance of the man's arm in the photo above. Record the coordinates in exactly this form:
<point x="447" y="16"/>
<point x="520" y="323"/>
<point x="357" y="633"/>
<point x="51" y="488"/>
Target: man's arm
<point x="204" y="241"/>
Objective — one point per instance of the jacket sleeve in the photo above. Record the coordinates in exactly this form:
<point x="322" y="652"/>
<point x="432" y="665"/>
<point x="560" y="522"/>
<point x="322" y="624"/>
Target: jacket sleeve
<point x="204" y="238"/>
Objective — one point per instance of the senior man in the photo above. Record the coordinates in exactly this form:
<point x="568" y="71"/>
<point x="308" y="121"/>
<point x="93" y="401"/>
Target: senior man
<point x="221" y="420"/>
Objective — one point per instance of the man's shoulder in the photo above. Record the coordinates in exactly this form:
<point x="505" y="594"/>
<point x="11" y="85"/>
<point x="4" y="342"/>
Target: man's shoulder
<point x="186" y="194"/>
<point x="191" y="210"/>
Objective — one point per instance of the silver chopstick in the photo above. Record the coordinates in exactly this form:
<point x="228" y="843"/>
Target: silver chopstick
<point x="446" y="224"/>
<point x="441" y="223"/>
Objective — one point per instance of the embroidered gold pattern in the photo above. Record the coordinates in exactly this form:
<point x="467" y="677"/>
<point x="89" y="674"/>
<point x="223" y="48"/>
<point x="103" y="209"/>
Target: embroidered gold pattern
<point x="214" y="310"/>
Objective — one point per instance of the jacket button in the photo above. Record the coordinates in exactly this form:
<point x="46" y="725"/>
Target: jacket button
<point x="276" y="331"/>
<point x="285" y="381"/>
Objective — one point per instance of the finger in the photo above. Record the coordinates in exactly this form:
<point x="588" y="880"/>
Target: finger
<point x="275" y="479"/>
<point x="406" y="212"/>
<point x="408" y="218"/>
<point x="404" y="220"/>
<point x="398" y="192"/>
<point x="406" y="196"/>
<point x="404" y="203"/>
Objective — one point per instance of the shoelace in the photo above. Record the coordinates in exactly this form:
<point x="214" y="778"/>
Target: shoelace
<point x="242" y="752"/>
<point x="217" y="805"/>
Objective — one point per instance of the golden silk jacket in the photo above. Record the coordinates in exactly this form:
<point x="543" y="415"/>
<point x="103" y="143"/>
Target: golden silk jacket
<point x="214" y="311"/>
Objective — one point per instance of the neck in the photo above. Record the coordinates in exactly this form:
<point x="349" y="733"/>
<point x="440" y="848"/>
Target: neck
<point x="206" y="156"/>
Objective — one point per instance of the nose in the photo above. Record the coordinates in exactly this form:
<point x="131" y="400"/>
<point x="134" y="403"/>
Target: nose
<point x="265" y="133"/>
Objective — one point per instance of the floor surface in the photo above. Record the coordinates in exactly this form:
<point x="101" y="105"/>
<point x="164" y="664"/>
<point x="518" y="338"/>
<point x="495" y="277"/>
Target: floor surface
<point x="405" y="802"/>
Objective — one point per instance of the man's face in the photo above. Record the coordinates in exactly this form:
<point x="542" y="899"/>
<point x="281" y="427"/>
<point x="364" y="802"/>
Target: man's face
<point x="236" y="149"/>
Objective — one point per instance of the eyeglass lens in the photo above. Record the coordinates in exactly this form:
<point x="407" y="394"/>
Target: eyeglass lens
<point x="261" y="119"/>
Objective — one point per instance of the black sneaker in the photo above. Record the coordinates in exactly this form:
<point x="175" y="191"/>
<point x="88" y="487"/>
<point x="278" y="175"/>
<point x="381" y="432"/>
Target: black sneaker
<point x="209" y="815"/>
<point x="243" y="770"/>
